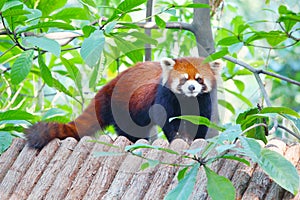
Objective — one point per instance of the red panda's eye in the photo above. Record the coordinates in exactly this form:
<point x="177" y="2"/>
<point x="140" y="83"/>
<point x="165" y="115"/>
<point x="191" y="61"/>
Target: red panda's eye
<point x="199" y="80"/>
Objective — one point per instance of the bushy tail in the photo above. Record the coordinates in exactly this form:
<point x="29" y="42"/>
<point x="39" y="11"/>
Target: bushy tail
<point x="42" y="133"/>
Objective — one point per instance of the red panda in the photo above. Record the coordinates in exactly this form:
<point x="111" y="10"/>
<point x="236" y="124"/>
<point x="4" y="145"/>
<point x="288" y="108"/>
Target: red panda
<point x="148" y="94"/>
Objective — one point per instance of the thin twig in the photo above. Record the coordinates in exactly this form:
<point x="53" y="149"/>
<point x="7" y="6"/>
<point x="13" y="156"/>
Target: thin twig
<point x="289" y="131"/>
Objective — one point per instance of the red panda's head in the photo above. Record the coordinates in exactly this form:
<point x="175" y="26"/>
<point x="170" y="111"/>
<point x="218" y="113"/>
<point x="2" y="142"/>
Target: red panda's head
<point x="189" y="76"/>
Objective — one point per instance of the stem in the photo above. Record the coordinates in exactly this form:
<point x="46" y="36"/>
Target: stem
<point x="289" y="131"/>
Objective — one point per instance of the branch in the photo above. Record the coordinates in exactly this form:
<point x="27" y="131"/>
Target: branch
<point x="169" y="25"/>
<point x="289" y="131"/>
<point x="260" y="71"/>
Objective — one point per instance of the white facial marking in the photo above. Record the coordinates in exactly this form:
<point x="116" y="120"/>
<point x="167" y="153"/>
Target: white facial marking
<point x="174" y="86"/>
<point x="186" y="76"/>
<point x="167" y="65"/>
<point x="208" y="85"/>
<point x="191" y="88"/>
<point x="197" y="76"/>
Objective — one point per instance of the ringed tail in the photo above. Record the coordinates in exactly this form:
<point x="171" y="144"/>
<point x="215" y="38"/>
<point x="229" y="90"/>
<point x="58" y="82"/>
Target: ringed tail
<point x="41" y="133"/>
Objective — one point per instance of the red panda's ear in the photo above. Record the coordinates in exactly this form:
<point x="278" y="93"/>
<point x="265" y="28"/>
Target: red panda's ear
<point x="167" y="65"/>
<point x="216" y="66"/>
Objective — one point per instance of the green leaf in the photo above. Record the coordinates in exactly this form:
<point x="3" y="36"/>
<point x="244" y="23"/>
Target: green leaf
<point x="150" y="163"/>
<point x="272" y="37"/>
<point x="72" y="13"/>
<point x="45" y="44"/>
<point x="2" y="2"/>
<point x="229" y="135"/>
<point x="145" y="166"/>
<point x="110" y="26"/>
<point x="239" y="84"/>
<point x="241" y="97"/>
<point x="233" y="157"/>
<point x="15" y="12"/>
<point x="21" y="67"/>
<point x="5" y="141"/>
<point x="280" y="170"/>
<point x="219" y="187"/>
<point x="199" y="120"/>
<point x="147" y="146"/>
<point x="94" y="77"/>
<point x="227" y="41"/>
<point x="41" y="25"/>
<point x="216" y="55"/>
<point x="125" y="7"/>
<point x="103" y="154"/>
<point x="182" y="173"/>
<point x="53" y="112"/>
<point x="185" y="187"/>
<point x="89" y="2"/>
<point x="48" y="8"/>
<point x="251" y="148"/>
<point x="280" y="110"/>
<point x="250" y="118"/>
<point x="92" y="48"/>
<point x="227" y="105"/>
<point x="45" y="72"/>
<point x="73" y="72"/>
<point x="60" y="87"/>
<point x="16" y="115"/>
<point x="10" y="4"/>
<point x="88" y="30"/>
<point x="129" y="49"/>
<point x="143" y="37"/>
<point x="160" y="22"/>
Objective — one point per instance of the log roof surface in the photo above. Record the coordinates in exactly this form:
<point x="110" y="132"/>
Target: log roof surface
<point x="69" y="170"/>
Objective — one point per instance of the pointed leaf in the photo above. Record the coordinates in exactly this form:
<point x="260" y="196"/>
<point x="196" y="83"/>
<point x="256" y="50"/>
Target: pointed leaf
<point x="185" y="187"/>
<point x="45" y="72"/>
<point x="5" y="141"/>
<point x="219" y="187"/>
<point x="160" y="22"/>
<point x="21" y="67"/>
<point x="280" y="170"/>
<point x="45" y="44"/>
<point x="16" y="115"/>
<point x="92" y="48"/>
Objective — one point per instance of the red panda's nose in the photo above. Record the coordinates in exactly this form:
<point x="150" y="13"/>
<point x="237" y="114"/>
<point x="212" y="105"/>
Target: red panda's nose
<point x="191" y="88"/>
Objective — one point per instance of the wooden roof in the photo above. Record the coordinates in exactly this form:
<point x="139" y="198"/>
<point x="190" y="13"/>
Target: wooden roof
<point x="69" y="170"/>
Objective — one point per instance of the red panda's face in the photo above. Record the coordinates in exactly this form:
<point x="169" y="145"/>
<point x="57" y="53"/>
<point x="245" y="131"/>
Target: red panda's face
<point x="188" y="76"/>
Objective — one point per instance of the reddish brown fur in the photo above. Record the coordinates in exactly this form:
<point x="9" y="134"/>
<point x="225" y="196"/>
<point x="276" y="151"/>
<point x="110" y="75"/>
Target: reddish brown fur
<point x="134" y="90"/>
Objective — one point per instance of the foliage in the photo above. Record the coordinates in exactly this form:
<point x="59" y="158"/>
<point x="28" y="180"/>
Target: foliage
<point x="55" y="57"/>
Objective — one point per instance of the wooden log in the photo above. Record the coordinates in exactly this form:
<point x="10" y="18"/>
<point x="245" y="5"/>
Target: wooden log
<point x="241" y="178"/>
<point x="54" y="167"/>
<point x="129" y="167"/>
<point x="195" y="145"/>
<point x="63" y="181"/>
<point x="107" y="171"/>
<point x="17" y="171"/>
<point x="260" y="182"/>
<point x="141" y="180"/>
<point x="10" y="155"/>
<point x="165" y="173"/>
<point x="86" y="174"/>
<point x="35" y="171"/>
